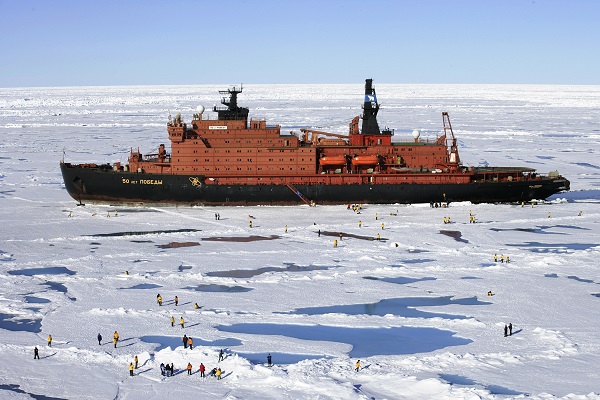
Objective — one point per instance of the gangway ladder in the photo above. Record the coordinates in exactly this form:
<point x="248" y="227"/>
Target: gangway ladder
<point x="297" y="192"/>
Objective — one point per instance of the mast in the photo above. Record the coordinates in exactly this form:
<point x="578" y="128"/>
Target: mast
<point x="231" y="111"/>
<point x="370" y="107"/>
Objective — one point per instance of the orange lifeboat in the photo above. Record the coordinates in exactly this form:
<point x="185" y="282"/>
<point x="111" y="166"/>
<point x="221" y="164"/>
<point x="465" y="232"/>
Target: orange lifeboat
<point x="365" y="160"/>
<point x="332" y="160"/>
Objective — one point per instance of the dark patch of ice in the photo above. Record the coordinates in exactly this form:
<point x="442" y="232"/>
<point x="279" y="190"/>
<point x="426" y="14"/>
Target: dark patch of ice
<point x="401" y="280"/>
<point x="17" y="389"/>
<point x="240" y="239"/>
<point x="173" y="342"/>
<point x="336" y="234"/>
<point x="182" y="267"/>
<point x="141" y="233"/>
<point x="404" y="307"/>
<point x="464" y="381"/>
<point x="501" y="390"/>
<point x="551" y="275"/>
<point x="390" y="341"/>
<point x="173" y="245"/>
<point x="42" y="271"/>
<point x="417" y="261"/>
<point x="10" y="322"/>
<point x="578" y="279"/>
<point x="279" y="358"/>
<point x="59" y="287"/>
<point x="456" y="235"/>
<point x="218" y="288"/>
<point x="36" y="300"/>
<point x="587" y="165"/>
<point x="470" y="277"/>
<point x="249" y="273"/>
<point x="457" y="379"/>
<point x="144" y="286"/>
<point x="538" y="247"/>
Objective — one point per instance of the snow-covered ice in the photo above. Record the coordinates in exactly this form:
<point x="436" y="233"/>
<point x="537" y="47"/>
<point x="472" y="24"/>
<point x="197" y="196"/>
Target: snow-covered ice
<point x="414" y="306"/>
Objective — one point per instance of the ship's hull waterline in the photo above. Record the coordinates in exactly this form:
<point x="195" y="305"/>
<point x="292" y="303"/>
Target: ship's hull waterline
<point x="118" y="187"/>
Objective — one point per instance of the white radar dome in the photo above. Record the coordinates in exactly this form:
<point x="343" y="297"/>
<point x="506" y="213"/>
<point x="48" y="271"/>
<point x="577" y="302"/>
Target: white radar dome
<point x="416" y="134"/>
<point x="200" y="109"/>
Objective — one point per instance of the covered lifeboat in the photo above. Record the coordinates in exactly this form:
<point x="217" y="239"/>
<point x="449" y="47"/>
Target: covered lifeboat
<point x="332" y="160"/>
<point x="365" y="160"/>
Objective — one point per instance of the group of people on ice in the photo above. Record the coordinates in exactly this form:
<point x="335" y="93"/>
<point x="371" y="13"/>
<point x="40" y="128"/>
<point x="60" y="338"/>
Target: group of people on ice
<point x="502" y="258"/>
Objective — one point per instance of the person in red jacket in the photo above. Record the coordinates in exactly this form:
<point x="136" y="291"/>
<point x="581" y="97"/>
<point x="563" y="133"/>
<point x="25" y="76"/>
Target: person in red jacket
<point x="202" y="369"/>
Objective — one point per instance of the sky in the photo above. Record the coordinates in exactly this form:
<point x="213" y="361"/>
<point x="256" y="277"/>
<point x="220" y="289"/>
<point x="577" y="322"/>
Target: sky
<point x="112" y="42"/>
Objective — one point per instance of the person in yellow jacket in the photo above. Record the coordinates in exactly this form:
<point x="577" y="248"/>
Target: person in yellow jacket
<point x="181" y="322"/>
<point x="357" y="365"/>
<point x="218" y="373"/>
<point x="135" y="359"/>
<point x="172" y="321"/>
<point x="115" y="338"/>
<point x="49" y="340"/>
<point x="189" y="369"/>
<point x="130" y="369"/>
<point x="159" y="300"/>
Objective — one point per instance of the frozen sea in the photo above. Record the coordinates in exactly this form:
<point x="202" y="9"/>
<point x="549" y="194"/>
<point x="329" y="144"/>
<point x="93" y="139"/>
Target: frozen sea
<point x="413" y="306"/>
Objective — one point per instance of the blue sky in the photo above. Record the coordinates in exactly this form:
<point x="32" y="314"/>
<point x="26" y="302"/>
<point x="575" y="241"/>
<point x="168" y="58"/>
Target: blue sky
<point x="74" y="43"/>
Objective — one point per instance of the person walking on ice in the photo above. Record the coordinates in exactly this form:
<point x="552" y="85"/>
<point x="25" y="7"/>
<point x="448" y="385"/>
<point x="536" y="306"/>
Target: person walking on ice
<point x="176" y="300"/>
<point x="218" y="373"/>
<point x="130" y="369"/>
<point x="202" y="369"/>
<point x="185" y="341"/>
<point x="269" y="359"/>
<point x="115" y="338"/>
<point x="135" y="359"/>
<point x="36" y="353"/>
<point x="99" y="339"/>
<point x="357" y="365"/>
<point x="191" y="343"/>
<point x="159" y="300"/>
<point x="505" y="330"/>
<point x="510" y="328"/>
<point x="221" y="358"/>
<point x="189" y="369"/>
<point x="181" y="322"/>
<point x="49" y="340"/>
<point x="172" y="321"/>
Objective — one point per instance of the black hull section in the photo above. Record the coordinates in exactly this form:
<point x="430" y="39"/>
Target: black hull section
<point x="108" y="186"/>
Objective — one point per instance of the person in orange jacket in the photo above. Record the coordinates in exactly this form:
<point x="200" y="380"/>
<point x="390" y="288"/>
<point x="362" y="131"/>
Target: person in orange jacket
<point x="176" y="300"/>
<point x="191" y="343"/>
<point x="189" y="369"/>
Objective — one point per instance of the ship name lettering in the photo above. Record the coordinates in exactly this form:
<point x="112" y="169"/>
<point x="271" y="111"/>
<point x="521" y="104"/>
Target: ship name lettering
<point x="151" y="182"/>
